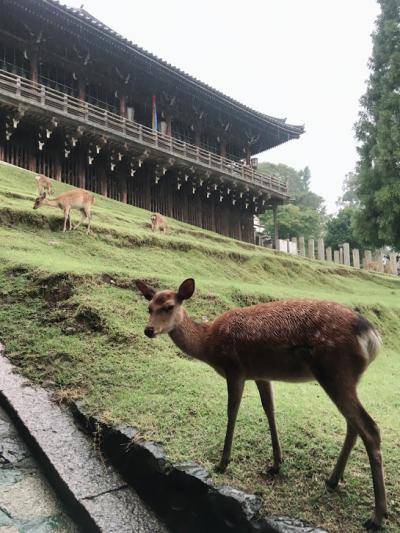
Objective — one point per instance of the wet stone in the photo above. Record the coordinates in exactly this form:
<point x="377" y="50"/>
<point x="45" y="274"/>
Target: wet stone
<point x="27" y="504"/>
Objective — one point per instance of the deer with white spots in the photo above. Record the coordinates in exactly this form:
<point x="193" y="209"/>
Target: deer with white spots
<point x="76" y="199"/>
<point x="288" y="340"/>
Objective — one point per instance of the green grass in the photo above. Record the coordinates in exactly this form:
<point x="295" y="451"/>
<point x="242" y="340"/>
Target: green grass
<point x="71" y="319"/>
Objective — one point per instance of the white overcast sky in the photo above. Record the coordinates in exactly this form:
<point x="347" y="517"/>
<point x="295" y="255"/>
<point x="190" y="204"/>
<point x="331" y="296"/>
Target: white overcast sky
<point x="305" y="60"/>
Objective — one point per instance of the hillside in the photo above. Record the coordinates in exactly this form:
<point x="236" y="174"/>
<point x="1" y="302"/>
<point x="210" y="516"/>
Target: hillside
<point x="71" y="319"/>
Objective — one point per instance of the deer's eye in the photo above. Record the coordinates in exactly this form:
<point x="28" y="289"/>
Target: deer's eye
<point x="150" y="311"/>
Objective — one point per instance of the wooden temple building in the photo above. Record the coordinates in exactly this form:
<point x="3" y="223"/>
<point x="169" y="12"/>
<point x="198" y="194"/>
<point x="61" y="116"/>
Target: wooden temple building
<point x="83" y="105"/>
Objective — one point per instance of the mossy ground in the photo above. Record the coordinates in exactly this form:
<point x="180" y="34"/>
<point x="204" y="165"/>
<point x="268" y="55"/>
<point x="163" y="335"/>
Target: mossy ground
<point x="71" y="319"/>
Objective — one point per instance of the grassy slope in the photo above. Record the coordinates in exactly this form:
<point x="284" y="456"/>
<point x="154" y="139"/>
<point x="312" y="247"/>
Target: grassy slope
<point x="70" y="318"/>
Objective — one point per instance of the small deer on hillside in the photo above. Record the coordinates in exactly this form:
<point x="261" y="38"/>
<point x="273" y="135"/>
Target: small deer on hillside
<point x="76" y="199"/>
<point x="158" y="222"/>
<point x="44" y="183"/>
<point x="293" y="341"/>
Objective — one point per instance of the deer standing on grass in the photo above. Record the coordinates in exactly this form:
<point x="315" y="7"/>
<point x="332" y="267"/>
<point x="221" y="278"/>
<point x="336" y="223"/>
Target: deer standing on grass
<point x="76" y="199"/>
<point x="44" y="183"/>
<point x="293" y="341"/>
<point x="158" y="222"/>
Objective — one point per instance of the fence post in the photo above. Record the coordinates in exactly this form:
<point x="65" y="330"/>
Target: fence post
<point x="356" y="258"/>
<point x="329" y="254"/>
<point x="367" y="257"/>
<point x="311" y="249"/>
<point x="393" y="264"/>
<point x="341" y="256"/>
<point x="336" y="256"/>
<point x="302" y="246"/>
<point x="346" y="254"/>
<point x="321" y="250"/>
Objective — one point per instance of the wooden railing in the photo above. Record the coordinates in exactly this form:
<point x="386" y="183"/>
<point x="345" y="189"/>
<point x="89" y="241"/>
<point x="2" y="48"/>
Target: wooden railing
<point x="27" y="91"/>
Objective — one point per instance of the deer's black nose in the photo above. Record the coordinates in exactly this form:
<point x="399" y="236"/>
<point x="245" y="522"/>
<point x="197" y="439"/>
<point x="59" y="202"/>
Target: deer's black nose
<point x="149" y="332"/>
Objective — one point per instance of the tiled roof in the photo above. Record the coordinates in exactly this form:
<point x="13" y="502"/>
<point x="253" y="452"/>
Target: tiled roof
<point x="86" y="17"/>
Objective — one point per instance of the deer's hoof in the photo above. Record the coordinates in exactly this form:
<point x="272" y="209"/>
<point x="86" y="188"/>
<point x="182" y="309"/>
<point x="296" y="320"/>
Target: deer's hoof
<point x="331" y="485"/>
<point x="371" y="525"/>
<point x="221" y="467"/>
<point x="273" y="471"/>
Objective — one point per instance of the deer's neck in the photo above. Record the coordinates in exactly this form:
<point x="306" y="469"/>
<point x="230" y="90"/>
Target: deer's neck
<point x="51" y="203"/>
<point x="190" y="337"/>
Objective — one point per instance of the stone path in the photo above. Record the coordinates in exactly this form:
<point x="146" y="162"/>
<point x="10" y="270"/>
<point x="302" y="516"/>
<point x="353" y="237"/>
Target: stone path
<point x="27" y="503"/>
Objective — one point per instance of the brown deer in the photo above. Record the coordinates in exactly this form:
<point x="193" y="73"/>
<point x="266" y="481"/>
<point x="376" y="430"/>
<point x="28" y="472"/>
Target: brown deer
<point x="158" y="222"/>
<point x="293" y="341"/>
<point x="44" y="183"/>
<point x="76" y="199"/>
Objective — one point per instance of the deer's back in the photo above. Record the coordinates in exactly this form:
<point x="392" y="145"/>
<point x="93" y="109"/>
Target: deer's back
<point x="76" y="198"/>
<point x="284" y="340"/>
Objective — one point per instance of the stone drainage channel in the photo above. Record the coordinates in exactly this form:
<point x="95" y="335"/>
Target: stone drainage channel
<point x="180" y="495"/>
<point x="27" y="502"/>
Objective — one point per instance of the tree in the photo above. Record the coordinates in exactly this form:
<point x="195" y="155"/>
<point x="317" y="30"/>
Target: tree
<point x="305" y="216"/>
<point x="340" y="229"/>
<point x="378" y="132"/>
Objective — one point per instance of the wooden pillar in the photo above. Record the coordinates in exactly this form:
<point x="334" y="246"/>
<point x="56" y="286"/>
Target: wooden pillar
<point x="311" y="249"/>
<point x="341" y="256"/>
<point x="346" y="253"/>
<point x="81" y="169"/>
<point x="102" y="177"/>
<point x="356" y="258"/>
<point x="302" y="246"/>
<point x="329" y="254"/>
<point x="223" y="148"/>
<point x="122" y="105"/>
<point x="124" y="189"/>
<point x="168" y="120"/>
<point x="248" y="155"/>
<point x="321" y="250"/>
<point x="82" y="88"/>
<point x="32" y="159"/>
<point x="34" y="67"/>
<point x="276" y="226"/>
<point x="57" y="166"/>
<point x="197" y="138"/>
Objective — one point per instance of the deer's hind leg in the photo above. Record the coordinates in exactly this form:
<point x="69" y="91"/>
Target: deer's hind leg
<point x="342" y="391"/>
<point x="267" y="400"/>
<point x="67" y="218"/>
<point x="337" y="473"/>
<point x="83" y="216"/>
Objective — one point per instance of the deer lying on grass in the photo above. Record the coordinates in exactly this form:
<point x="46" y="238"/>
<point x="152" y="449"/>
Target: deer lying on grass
<point x="292" y="340"/>
<point x="158" y="222"/>
<point x="43" y="183"/>
<point x="76" y="199"/>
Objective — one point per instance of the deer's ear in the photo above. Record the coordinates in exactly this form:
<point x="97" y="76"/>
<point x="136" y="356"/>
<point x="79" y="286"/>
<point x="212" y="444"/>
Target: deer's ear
<point x="186" y="289"/>
<point x="147" y="291"/>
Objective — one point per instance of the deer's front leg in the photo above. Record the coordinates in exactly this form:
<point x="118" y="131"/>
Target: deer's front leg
<point x="235" y="391"/>
<point x="267" y="400"/>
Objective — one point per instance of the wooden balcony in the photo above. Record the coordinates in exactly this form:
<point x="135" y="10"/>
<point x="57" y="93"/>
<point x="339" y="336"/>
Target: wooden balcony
<point x="16" y="91"/>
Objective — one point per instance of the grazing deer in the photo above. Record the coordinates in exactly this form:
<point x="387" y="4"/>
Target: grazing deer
<point x="43" y="183"/>
<point x="293" y="341"/>
<point x="375" y="266"/>
<point x="158" y="222"/>
<point x="76" y="199"/>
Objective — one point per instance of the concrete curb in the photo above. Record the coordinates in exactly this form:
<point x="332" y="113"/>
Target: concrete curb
<point x="97" y="497"/>
<point x="182" y="493"/>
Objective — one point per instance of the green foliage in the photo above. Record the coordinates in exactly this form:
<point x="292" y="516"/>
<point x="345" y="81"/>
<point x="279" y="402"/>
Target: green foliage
<point x="378" y="132"/>
<point x="340" y="229"/>
<point x="70" y="317"/>
<point x="306" y="215"/>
